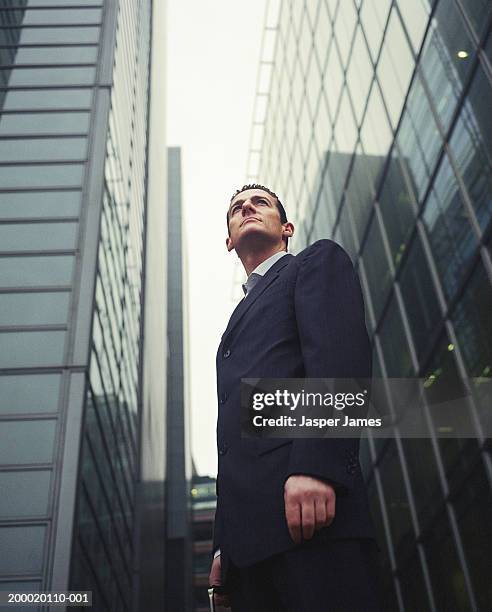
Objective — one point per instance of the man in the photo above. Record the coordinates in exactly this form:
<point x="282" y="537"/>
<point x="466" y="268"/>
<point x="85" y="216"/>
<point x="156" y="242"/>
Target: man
<point x="292" y="530"/>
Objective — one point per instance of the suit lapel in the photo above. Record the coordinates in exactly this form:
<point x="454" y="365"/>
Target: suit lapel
<point x="246" y="303"/>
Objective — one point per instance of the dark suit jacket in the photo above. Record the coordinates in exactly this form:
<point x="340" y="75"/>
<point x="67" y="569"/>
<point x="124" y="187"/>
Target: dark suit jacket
<point x="304" y="318"/>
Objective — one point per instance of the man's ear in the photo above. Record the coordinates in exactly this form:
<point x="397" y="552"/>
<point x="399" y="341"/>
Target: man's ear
<point x="229" y="243"/>
<point x="288" y="230"/>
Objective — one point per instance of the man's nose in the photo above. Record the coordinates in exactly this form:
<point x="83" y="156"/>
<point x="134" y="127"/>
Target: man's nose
<point x="247" y="207"/>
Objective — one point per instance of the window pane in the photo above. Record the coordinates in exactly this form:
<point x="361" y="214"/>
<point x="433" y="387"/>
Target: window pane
<point x="360" y="190"/>
<point x="415" y="17"/>
<point x="37" y="236"/>
<point x="395" y="68"/>
<point x="473" y="324"/>
<point x="50" y="55"/>
<point x="61" y="175"/>
<point x="396" y="209"/>
<point x="396" y="499"/>
<point x="46" y="98"/>
<point x="419" y="296"/>
<point x="32" y="348"/>
<point x="445" y="568"/>
<point x="419" y="138"/>
<point x="39" y="204"/>
<point x="34" y="308"/>
<point x="471" y="144"/>
<point x="36" y="271"/>
<point x="479" y="12"/>
<point x="24" y="493"/>
<point x="377" y="267"/>
<point x="394" y="343"/>
<point x="55" y="17"/>
<point x="376" y="134"/>
<point x="23" y="394"/>
<point x="22" y="549"/>
<point x="23" y="442"/>
<point x="446" y="59"/>
<point x="47" y="76"/>
<point x="29" y="36"/>
<point x="29" y="3"/>
<point x="450" y="232"/>
<point x="44" y="123"/>
<point x="39" y="149"/>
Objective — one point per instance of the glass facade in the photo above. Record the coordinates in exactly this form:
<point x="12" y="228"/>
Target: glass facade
<point x="372" y="121"/>
<point x="75" y="82"/>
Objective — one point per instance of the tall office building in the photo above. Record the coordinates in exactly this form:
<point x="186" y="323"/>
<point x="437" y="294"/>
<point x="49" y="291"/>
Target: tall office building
<point x="178" y="583"/>
<point x="83" y="299"/>
<point x="204" y="503"/>
<point x="372" y="123"/>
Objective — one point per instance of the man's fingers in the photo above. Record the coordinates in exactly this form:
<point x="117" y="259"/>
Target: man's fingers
<point x="320" y="508"/>
<point x="308" y="519"/>
<point x="330" y="509"/>
<point x="214" y="578"/>
<point x="293" y="516"/>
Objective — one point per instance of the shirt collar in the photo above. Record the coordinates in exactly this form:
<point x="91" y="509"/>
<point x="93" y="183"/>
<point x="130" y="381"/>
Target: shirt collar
<point x="263" y="268"/>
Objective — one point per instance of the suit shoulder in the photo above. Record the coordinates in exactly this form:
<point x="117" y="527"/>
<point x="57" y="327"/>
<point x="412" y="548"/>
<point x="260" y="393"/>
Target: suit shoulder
<point x="325" y="248"/>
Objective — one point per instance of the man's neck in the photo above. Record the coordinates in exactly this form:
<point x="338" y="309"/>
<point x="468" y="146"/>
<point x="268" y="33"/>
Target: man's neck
<point x="252" y="259"/>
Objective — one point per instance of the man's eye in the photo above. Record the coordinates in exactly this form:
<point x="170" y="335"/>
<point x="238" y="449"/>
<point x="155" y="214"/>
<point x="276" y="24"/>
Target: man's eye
<point x="234" y="209"/>
<point x="262" y="201"/>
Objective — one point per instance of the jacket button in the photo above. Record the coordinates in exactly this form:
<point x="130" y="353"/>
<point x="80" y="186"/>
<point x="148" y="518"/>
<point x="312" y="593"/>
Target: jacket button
<point x="223" y="448"/>
<point x="227" y="353"/>
<point x="223" y="397"/>
<point x="351" y="469"/>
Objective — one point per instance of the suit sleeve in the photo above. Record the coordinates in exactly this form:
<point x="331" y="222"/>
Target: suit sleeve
<point x="334" y="344"/>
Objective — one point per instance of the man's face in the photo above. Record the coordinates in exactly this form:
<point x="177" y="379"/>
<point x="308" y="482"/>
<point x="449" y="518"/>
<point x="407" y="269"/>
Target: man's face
<point x="254" y="216"/>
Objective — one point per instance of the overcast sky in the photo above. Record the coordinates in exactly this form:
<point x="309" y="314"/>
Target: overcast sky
<point x="212" y="60"/>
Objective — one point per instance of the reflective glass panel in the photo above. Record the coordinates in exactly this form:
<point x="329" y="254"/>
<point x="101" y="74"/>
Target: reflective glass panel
<point x="22" y="549"/>
<point x="34" y="204"/>
<point x="36" y="271"/>
<point x="397" y="505"/>
<point x="478" y="12"/>
<point x="44" y="123"/>
<point x="24" y="493"/>
<point x="450" y="233"/>
<point x="55" y="55"/>
<point x="61" y="3"/>
<point x="19" y="99"/>
<point x="418" y="138"/>
<point x="29" y="393"/>
<point x="446" y="59"/>
<point x="473" y="323"/>
<point x="47" y="76"/>
<point x="51" y="17"/>
<point x="34" y="308"/>
<point x="37" y="236"/>
<point x="415" y="17"/>
<point x="29" y="36"/>
<point x="396" y="209"/>
<point x="395" y="68"/>
<point x="60" y="175"/>
<point x="30" y="349"/>
<point x="42" y="149"/>
<point x="394" y="344"/>
<point x="471" y="144"/>
<point x="24" y="442"/>
<point x="377" y="267"/>
<point x="419" y="296"/>
<point x="360" y="190"/>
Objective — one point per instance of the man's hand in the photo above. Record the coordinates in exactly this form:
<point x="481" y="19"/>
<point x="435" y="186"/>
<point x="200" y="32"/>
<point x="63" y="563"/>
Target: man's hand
<point x="309" y="506"/>
<point x="215" y="580"/>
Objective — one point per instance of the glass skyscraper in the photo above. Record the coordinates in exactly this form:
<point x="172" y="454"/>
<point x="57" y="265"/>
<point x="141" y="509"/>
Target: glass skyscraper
<point x="82" y="299"/>
<point x="373" y="124"/>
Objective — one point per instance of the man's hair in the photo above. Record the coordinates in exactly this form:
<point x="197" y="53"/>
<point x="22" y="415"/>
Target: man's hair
<point x="280" y="207"/>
